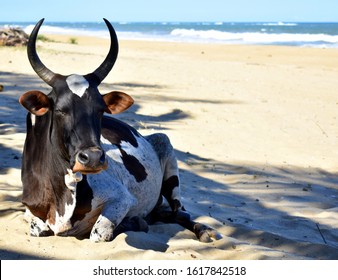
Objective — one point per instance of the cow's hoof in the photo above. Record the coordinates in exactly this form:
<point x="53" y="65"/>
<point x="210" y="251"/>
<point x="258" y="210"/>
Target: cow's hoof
<point x="206" y="234"/>
<point x="39" y="228"/>
<point x="101" y="235"/>
<point x="102" y="230"/>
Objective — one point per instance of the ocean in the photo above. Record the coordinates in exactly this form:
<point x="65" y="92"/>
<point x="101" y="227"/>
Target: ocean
<point x="322" y="35"/>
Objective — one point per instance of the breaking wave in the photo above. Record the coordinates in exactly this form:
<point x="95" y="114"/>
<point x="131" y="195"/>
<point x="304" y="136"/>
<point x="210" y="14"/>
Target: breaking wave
<point x="48" y="29"/>
<point x="254" y="37"/>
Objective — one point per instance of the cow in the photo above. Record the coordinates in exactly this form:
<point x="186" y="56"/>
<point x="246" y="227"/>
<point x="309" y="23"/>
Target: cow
<point x="87" y="174"/>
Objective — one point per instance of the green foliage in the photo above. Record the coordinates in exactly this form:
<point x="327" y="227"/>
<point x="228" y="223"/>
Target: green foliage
<point x="73" y="40"/>
<point x="43" y="38"/>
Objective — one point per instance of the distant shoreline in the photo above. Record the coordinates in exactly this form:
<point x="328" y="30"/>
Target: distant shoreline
<point x="299" y="34"/>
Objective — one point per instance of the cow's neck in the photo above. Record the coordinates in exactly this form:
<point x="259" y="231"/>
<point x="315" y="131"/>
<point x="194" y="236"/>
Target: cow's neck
<point x="43" y="169"/>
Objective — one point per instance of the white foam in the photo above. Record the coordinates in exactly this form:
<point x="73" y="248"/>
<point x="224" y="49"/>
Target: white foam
<point x="253" y="37"/>
<point x="48" y="29"/>
<point x="280" y="23"/>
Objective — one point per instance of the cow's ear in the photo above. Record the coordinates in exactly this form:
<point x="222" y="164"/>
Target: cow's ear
<point x="35" y="102"/>
<point x="117" y="102"/>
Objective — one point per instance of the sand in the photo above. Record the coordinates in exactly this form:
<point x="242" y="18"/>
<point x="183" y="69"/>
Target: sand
<point x="255" y="132"/>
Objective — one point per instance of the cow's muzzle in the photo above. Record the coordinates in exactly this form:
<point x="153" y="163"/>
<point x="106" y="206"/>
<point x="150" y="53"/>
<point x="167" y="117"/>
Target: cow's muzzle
<point x="91" y="160"/>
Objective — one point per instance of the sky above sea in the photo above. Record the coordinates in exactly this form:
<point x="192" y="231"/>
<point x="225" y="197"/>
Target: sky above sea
<point x="171" y="11"/>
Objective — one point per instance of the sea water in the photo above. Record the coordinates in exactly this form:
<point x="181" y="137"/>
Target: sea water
<point x="324" y="35"/>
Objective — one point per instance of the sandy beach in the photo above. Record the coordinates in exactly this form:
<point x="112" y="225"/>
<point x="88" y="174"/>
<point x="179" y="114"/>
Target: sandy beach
<point x="255" y="133"/>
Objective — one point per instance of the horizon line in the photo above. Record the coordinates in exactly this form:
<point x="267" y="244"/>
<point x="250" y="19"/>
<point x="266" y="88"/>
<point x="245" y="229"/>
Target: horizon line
<point x="172" y="21"/>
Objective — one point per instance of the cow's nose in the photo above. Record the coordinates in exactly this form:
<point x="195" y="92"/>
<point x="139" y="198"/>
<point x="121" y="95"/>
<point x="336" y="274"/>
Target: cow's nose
<point x="91" y="158"/>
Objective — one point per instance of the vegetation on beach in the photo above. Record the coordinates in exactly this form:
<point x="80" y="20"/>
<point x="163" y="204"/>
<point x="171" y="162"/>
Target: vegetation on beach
<point x="43" y="38"/>
<point x="72" y="40"/>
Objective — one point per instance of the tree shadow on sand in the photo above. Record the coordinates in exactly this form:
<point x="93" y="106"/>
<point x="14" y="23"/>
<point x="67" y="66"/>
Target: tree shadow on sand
<point x="12" y="115"/>
<point x="279" y="208"/>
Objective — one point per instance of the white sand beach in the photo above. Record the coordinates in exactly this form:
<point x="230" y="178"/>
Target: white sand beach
<point x="255" y="133"/>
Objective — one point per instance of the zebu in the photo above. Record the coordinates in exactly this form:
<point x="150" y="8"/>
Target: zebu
<point x="85" y="173"/>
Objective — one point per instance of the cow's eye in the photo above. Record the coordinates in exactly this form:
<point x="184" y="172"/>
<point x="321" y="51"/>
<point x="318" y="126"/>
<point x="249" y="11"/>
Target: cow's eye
<point x="60" y="112"/>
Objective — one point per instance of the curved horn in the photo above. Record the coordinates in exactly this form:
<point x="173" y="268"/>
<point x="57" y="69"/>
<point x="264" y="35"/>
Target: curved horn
<point x="44" y="73"/>
<point x="103" y="70"/>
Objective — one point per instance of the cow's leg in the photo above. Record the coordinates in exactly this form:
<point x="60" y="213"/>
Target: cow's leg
<point x="102" y="230"/>
<point x="170" y="184"/>
<point x="171" y="191"/>
<point x="38" y="228"/>
<point x="203" y="232"/>
<point x="114" y="216"/>
<point x="113" y="213"/>
<point x="105" y="230"/>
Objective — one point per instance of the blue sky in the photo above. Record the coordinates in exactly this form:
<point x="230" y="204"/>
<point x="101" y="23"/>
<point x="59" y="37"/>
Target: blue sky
<point x="170" y="10"/>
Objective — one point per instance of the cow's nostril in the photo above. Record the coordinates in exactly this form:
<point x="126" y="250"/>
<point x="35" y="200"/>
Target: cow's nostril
<point x="83" y="158"/>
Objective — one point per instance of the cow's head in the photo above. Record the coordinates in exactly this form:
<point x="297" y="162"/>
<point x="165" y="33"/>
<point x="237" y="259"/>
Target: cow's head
<point x="75" y="107"/>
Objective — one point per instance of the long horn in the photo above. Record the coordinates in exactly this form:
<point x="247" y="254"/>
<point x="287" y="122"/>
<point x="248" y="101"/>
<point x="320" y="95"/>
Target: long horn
<point x="103" y="70"/>
<point x="44" y="73"/>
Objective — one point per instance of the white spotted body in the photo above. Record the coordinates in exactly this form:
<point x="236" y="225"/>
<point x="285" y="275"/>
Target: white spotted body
<point x="116" y="180"/>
